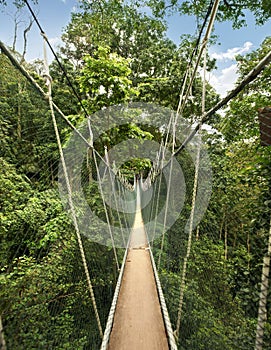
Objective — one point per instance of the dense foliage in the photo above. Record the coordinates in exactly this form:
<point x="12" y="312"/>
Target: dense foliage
<point x="115" y="54"/>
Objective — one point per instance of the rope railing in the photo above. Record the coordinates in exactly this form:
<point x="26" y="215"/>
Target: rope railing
<point x="110" y="319"/>
<point x="74" y="217"/>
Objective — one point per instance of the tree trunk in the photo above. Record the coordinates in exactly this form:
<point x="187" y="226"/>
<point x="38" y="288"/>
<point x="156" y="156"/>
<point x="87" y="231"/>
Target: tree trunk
<point x="221" y="226"/>
<point x="27" y="29"/>
<point x="226" y="242"/>
<point x="2" y="338"/>
<point x="262" y="311"/>
<point x="16" y="23"/>
<point x="248" y="248"/>
<point x="197" y="233"/>
<point x="19" y="112"/>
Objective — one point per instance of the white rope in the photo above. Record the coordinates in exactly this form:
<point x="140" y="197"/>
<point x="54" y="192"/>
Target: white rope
<point x="159" y="167"/>
<point x="74" y="218"/>
<point x="114" y="194"/>
<point x="110" y="319"/>
<point x="183" y="99"/>
<point x="165" y="216"/>
<point x="163" y="305"/>
<point x="168" y="193"/>
<point x="105" y="210"/>
<point x="192" y="214"/>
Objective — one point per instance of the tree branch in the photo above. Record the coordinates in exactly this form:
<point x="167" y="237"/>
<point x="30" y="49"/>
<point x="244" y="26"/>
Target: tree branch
<point x="27" y="29"/>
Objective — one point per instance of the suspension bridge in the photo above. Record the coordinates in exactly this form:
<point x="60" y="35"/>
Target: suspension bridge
<point x="149" y="296"/>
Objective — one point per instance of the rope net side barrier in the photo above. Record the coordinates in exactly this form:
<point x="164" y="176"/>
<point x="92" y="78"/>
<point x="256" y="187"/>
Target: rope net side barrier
<point x="225" y="292"/>
<point x="44" y="294"/>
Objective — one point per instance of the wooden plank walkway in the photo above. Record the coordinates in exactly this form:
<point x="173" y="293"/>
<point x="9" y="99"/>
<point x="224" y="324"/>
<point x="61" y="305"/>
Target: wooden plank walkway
<point x="138" y="322"/>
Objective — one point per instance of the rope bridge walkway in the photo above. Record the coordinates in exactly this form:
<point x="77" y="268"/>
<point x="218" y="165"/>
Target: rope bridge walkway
<point x="138" y="321"/>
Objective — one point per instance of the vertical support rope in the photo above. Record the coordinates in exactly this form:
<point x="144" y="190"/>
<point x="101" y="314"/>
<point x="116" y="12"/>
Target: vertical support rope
<point x="106" y="211"/>
<point x="159" y="188"/>
<point x="74" y="218"/>
<point x="165" y="216"/>
<point x="114" y="195"/>
<point x="262" y="311"/>
<point x="150" y="238"/>
<point x="192" y="215"/>
<point x="168" y="187"/>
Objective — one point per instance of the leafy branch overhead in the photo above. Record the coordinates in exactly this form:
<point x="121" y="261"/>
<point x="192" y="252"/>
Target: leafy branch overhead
<point x="231" y="10"/>
<point x="105" y="80"/>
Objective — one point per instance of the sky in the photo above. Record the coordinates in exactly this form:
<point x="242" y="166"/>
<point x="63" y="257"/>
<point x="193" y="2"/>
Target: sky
<point x="54" y="15"/>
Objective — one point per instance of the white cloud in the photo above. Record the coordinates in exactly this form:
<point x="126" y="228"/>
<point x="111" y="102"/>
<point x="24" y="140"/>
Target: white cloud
<point x="224" y="78"/>
<point x="230" y="54"/>
<point x="223" y="81"/>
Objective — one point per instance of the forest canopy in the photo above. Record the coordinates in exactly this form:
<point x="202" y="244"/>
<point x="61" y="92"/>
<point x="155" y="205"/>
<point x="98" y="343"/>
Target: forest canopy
<point x="114" y="54"/>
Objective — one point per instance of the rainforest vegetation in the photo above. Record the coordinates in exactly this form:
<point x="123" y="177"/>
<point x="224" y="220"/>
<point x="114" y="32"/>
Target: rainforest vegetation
<point x="114" y="53"/>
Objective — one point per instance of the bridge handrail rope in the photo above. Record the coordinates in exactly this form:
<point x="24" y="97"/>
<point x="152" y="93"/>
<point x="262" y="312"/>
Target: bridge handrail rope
<point x="154" y="170"/>
<point x="110" y="319"/>
<point x="168" y="193"/>
<point x="180" y="109"/>
<point x="165" y="216"/>
<point x="195" y="50"/>
<point x="167" y="322"/>
<point x="103" y="197"/>
<point x="66" y="176"/>
<point x="121" y="190"/>
<point x="181" y="105"/>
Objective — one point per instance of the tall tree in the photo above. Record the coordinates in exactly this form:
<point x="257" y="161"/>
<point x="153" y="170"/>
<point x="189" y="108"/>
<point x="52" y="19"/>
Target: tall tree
<point x="228" y="10"/>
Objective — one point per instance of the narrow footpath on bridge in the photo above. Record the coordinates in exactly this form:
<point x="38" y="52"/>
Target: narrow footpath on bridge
<point x="138" y="321"/>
